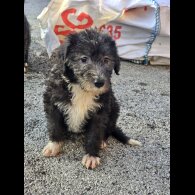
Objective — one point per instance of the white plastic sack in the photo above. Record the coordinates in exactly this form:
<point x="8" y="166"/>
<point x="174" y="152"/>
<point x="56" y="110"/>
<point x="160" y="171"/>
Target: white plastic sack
<point x="139" y="27"/>
<point x="160" y="50"/>
<point x="133" y="24"/>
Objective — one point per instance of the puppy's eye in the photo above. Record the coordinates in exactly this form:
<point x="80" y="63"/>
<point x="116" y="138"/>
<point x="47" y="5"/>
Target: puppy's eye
<point x="106" y="60"/>
<point x="84" y="59"/>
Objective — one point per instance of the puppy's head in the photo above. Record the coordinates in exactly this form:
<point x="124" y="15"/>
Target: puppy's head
<point x="89" y="58"/>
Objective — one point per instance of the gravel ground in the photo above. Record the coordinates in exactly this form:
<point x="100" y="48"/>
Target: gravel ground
<point x="144" y="96"/>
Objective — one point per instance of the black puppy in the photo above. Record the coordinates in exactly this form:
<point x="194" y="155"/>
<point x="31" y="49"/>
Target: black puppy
<point x="79" y="97"/>
<point x="27" y="40"/>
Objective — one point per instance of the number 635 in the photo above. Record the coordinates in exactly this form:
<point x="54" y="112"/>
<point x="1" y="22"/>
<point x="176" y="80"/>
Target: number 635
<point x="114" y="31"/>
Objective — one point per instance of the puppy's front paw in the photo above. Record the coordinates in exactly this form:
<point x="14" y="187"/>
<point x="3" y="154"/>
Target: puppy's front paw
<point x="52" y="149"/>
<point x="90" y="161"/>
<point x="133" y="142"/>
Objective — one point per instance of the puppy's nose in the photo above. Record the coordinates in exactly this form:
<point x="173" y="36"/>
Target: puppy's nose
<point x="99" y="83"/>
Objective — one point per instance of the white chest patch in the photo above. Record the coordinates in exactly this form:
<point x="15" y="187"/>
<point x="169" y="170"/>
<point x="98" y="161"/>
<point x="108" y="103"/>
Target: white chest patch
<point x="78" y="111"/>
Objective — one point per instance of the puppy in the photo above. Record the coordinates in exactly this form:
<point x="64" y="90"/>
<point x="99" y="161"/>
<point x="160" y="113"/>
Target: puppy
<point x="27" y="40"/>
<point x="79" y="97"/>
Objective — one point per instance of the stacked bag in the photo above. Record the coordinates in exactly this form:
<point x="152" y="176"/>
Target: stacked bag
<point x="141" y="28"/>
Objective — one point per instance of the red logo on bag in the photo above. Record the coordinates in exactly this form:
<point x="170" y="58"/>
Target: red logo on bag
<point x="58" y="29"/>
<point x="82" y="16"/>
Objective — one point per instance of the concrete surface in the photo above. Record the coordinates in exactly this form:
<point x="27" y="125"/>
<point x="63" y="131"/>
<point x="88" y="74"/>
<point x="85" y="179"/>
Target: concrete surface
<point x="144" y="96"/>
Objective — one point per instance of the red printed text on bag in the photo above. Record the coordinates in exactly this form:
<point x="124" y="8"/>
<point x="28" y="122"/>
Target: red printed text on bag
<point x="113" y="31"/>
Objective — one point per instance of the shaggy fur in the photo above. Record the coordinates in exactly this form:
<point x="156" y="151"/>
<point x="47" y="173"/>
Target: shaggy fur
<point x="79" y="96"/>
<point x="27" y="40"/>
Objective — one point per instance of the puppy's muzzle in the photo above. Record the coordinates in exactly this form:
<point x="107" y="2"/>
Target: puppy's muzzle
<point x="99" y="83"/>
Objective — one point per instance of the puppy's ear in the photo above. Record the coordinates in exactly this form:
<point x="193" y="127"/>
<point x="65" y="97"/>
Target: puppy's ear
<point x="117" y="65"/>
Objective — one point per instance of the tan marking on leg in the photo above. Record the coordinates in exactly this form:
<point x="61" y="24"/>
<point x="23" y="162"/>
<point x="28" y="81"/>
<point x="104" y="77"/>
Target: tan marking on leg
<point x="25" y="70"/>
<point x="134" y="142"/>
<point x="52" y="149"/>
<point x="25" y="64"/>
<point x="103" y="145"/>
<point x="90" y="161"/>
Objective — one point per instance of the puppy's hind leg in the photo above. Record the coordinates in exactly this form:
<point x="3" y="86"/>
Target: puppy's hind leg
<point x="103" y="145"/>
<point x="115" y="131"/>
<point x="105" y="137"/>
<point x="120" y="136"/>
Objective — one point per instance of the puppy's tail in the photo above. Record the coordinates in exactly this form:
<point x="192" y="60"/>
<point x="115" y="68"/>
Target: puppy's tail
<point x="120" y="136"/>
